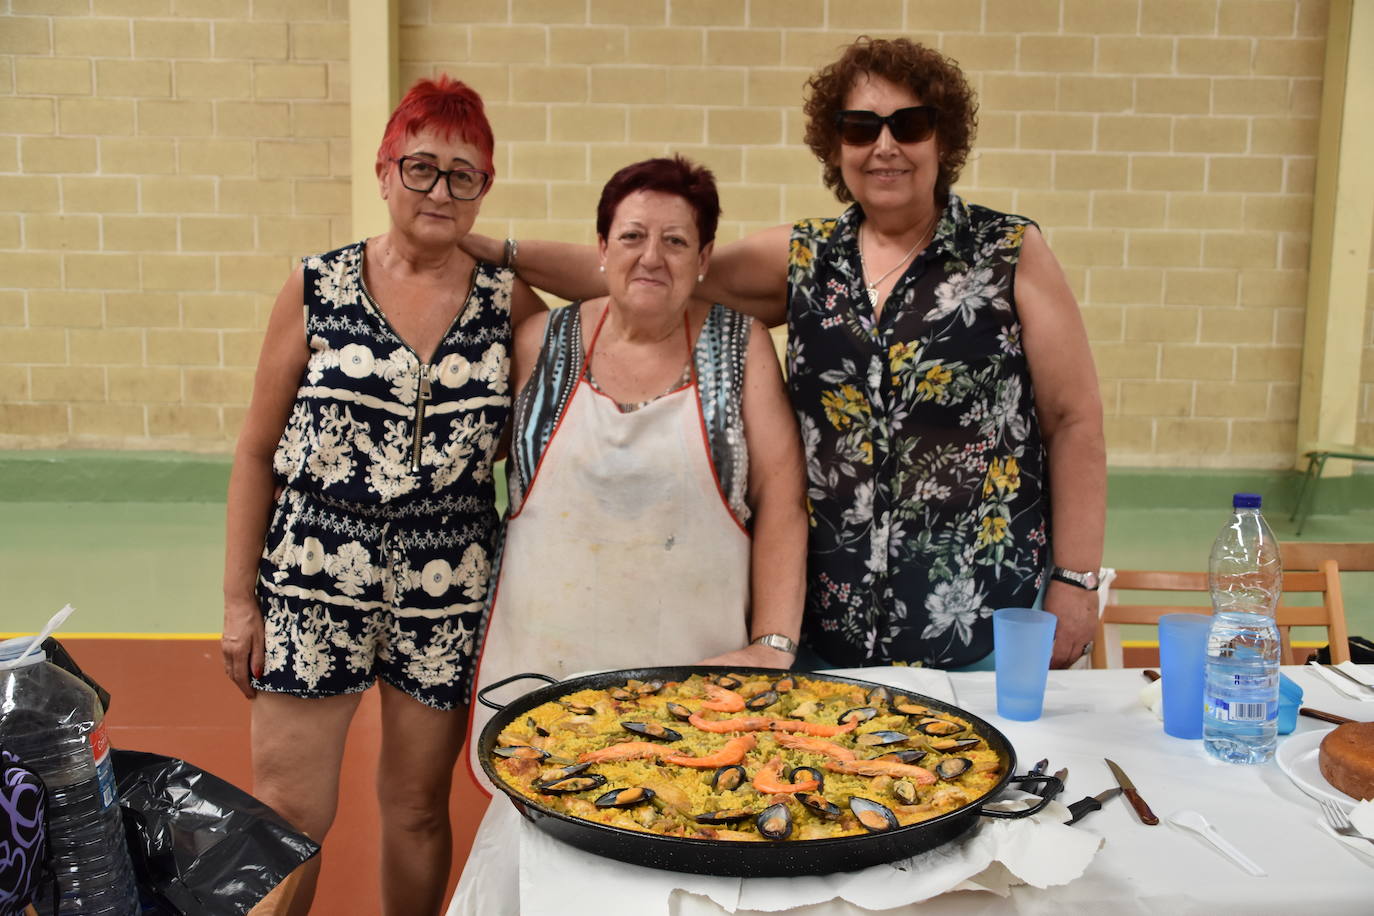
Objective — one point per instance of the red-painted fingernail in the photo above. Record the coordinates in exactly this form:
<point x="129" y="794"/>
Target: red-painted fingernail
<point x="257" y="671"/>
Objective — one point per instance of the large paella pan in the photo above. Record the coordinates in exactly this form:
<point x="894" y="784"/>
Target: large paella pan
<point x="744" y="772"/>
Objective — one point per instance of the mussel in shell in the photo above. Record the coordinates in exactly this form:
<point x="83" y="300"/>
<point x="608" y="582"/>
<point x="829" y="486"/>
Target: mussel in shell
<point x="904" y="791"/>
<point x="908" y="708"/>
<point x="906" y="755"/>
<point x="521" y="752"/>
<point x="938" y="728"/>
<point x="801" y="774"/>
<point x="785" y="683"/>
<point x="678" y="711"/>
<point x="725" y="816"/>
<point x="775" y="822"/>
<point x="539" y="730"/>
<point x="645" y="688"/>
<point x="621" y="695"/>
<point x="570" y="784"/>
<point x="881" y="739"/>
<point x="819" y="805"/>
<point x="878" y="696"/>
<point x="577" y="709"/>
<point x="804" y="710"/>
<point x="625" y="798"/>
<point x="727" y="681"/>
<point x="762" y="700"/>
<point x="952" y="744"/>
<point x="728" y="777"/>
<point x="953" y="767"/>
<point x="572" y="769"/>
<point x="655" y="731"/>
<point x="875" y="817"/>
<point x="858" y="714"/>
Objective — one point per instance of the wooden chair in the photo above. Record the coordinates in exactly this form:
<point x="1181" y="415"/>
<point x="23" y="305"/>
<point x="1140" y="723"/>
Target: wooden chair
<point x="1330" y="613"/>
<point x="1350" y="556"/>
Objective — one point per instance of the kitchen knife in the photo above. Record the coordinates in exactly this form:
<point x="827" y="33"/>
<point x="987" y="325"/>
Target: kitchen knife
<point x="1142" y="810"/>
<point x="1063" y="777"/>
<point x="1085" y="806"/>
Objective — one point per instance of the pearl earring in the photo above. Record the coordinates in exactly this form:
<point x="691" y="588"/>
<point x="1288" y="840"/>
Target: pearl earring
<point x="701" y="277"/>
<point x="602" y="268"/>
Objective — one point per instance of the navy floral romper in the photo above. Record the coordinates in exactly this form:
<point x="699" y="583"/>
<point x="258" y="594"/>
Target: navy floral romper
<point x="378" y="554"/>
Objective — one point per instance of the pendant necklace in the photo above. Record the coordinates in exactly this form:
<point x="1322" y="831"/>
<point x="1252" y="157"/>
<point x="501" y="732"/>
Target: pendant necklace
<point x="872" y="288"/>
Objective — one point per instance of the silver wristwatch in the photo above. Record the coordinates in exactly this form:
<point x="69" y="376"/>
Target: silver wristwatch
<point x="1086" y="580"/>
<point x="776" y="641"/>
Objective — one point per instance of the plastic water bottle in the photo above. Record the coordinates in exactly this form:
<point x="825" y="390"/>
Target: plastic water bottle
<point x="1245" y="575"/>
<point x="55" y="724"/>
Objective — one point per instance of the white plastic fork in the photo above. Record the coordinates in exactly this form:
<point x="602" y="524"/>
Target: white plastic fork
<point x="1336" y="817"/>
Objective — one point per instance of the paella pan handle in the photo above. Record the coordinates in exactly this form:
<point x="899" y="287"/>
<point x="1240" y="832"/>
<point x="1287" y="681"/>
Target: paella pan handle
<point x="1050" y="787"/>
<point x="482" y="694"/>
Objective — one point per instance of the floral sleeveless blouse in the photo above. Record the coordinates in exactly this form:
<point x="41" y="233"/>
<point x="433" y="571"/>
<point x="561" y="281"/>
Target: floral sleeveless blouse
<point x="926" y="470"/>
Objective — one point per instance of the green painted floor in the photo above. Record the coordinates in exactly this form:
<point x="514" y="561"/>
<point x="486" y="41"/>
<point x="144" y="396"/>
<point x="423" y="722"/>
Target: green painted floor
<point x="154" y="568"/>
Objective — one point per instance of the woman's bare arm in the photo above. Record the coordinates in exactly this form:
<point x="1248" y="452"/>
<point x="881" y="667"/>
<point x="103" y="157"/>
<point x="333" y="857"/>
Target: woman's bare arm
<point x="249" y="505"/>
<point x="1069" y="405"/>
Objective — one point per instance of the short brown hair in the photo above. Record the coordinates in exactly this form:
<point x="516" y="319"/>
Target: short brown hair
<point x="934" y="78"/>
<point x="678" y="176"/>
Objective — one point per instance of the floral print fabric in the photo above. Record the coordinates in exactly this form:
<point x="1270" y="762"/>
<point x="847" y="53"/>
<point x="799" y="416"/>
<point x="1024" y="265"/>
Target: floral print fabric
<point x="925" y="466"/>
<point x="378" y="555"/>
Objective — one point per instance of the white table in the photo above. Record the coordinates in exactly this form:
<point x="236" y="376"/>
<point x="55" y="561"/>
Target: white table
<point x="1094" y="714"/>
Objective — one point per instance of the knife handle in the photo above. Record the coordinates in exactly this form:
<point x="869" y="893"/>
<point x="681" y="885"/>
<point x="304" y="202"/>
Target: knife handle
<point x="1083" y="807"/>
<point x="1324" y="716"/>
<point x="1142" y="810"/>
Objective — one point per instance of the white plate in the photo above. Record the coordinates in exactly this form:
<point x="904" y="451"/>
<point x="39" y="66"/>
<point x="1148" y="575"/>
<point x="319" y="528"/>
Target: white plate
<point x="1297" y="757"/>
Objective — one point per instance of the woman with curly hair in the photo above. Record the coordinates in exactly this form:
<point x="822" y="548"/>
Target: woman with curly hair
<point x="940" y="371"/>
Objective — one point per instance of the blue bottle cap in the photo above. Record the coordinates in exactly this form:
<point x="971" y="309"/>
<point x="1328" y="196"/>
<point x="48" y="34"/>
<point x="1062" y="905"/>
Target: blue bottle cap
<point x="1245" y="501"/>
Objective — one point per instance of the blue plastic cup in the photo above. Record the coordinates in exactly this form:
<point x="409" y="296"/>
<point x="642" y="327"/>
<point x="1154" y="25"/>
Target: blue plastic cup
<point x="1024" y="640"/>
<point x="1183" y="667"/>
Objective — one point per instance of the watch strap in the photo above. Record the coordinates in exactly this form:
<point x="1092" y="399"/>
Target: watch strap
<point x="1084" y="580"/>
<point x="776" y="641"/>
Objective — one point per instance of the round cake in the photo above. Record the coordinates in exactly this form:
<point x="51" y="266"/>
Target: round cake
<point x="1346" y="759"/>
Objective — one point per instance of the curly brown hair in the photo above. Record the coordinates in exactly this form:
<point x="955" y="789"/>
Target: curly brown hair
<point x="934" y="78"/>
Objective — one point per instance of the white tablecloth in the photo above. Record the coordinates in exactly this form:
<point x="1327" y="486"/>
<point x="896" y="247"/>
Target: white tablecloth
<point x="1090" y="715"/>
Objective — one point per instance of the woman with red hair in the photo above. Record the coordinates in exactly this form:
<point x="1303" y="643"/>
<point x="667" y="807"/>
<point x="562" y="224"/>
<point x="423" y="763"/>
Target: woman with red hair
<point x="361" y="515"/>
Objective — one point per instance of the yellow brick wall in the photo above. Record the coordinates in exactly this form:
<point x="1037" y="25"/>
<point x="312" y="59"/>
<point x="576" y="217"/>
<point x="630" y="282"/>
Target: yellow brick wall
<point x="167" y="159"/>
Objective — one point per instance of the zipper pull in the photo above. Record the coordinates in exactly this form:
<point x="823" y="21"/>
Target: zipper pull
<point x="423" y="395"/>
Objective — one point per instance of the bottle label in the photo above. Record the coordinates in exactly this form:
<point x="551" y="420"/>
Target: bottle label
<point x="104" y="769"/>
<point x="1234" y="711"/>
<point x="1255" y="681"/>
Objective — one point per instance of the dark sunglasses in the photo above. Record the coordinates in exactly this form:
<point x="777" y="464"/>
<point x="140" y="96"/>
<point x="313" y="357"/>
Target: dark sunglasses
<point x="908" y="125"/>
<point x="422" y="176"/>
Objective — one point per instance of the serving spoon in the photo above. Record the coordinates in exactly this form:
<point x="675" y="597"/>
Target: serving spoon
<point x="1194" y="821"/>
<point x="48" y="629"/>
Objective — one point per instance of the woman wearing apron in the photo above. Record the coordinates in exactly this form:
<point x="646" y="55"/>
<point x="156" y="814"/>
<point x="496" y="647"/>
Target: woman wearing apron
<point x="657" y="513"/>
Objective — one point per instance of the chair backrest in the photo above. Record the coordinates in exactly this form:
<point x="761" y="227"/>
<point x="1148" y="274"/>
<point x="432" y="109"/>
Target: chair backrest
<point x="1350" y="556"/>
<point x="1330" y="613"/>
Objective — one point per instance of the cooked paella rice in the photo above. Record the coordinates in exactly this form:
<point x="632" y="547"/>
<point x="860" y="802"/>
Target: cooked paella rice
<point x="746" y="757"/>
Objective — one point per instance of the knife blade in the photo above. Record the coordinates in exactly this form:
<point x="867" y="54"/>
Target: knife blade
<point x="1039" y="768"/>
<point x="1063" y="777"/>
<point x="1085" y="806"/>
<point x="1142" y="810"/>
<point x="1348" y="676"/>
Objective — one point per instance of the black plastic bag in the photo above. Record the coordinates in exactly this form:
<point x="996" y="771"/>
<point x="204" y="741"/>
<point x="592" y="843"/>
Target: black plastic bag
<point x="1361" y="652"/>
<point x="200" y="846"/>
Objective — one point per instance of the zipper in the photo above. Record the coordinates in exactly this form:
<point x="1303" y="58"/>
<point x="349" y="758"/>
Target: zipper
<point x="423" y="395"/>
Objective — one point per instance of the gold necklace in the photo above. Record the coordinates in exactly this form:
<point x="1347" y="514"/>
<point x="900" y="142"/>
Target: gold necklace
<point x="872" y="288"/>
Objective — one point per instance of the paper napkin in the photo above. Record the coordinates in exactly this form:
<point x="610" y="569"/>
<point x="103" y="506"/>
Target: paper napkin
<point x="1348" y="688"/>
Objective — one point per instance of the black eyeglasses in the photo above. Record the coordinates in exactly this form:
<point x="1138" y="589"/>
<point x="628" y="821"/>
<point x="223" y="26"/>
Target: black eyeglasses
<point x="908" y="125"/>
<point x="422" y="176"/>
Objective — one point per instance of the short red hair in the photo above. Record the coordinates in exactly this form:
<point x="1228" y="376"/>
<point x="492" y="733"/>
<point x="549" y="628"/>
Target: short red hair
<point x="445" y="105"/>
<point x="677" y="176"/>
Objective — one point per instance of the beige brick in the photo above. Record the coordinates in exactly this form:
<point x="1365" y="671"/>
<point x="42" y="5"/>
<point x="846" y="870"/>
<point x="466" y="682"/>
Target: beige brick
<point x="1101" y="17"/>
<point x="61" y="308"/>
<point x="1202" y="362"/>
<point x="528" y="199"/>
<point x="52" y="76"/>
<point x="58" y="154"/>
<point x="1156" y="398"/>
<point x="175" y="119"/>
<point x="1283" y="401"/>
<point x="1192" y="437"/>
<point x="743" y="47"/>
<point x="1299" y="176"/>
<point x="549" y="11"/>
<point x="781" y="165"/>
<point x="549" y="84"/>
<point x="218" y="386"/>
<point x="1256" y="17"/>
<point x="135" y="78"/>
<point x="1053" y="132"/>
<point x="1268" y="363"/>
<point x="744" y="126"/>
<point x="1134" y="133"/>
<point x="182" y="348"/>
<point x="99" y="195"/>
<point x="1003" y="199"/>
<point x="258" y="273"/>
<point x="171" y="39"/>
<point x="781" y="88"/>
<point x="100" y="271"/>
<point x="998" y="169"/>
<point x="508" y="44"/>
<point x="759" y="203"/>
<point x="666" y="47"/>
<point x="293" y="158"/>
<point x="1215" y="56"/>
<point x="1128" y="436"/>
<point x="1178" y="17"/>
<point x="1273" y="288"/>
<point x="27" y="270"/>
<point x="1245" y="174"/>
<point x="1284" y="136"/>
<point x="1312" y="19"/>
<point x="112" y="420"/>
<point x="1050" y="208"/>
<point x="130" y="7"/>
<point x="90" y="37"/>
<point x="9" y="154"/>
<point x="61" y="233"/>
<point x="216" y="233"/>
<point x="33" y="419"/>
<point x="1056" y="53"/>
<point x="1133" y="54"/>
<point x="144" y="385"/>
<point x="1091" y="171"/>
<point x="1239" y="249"/>
<point x="219" y="310"/>
<point x="323" y="41"/>
<point x="329" y="120"/>
<point x="1263" y="437"/>
<point x="25" y="35"/>
<point x="1249" y="96"/>
<point x="255" y="119"/>
<point x="1170" y="248"/>
<point x="30" y="193"/>
<point x="1211" y="135"/>
<point x="859" y="15"/>
<point x="1201" y="287"/>
<point x="67" y="383"/>
<point x="571" y="45"/>
<point x="1278" y="213"/>
<point x="606" y="160"/>
<point x="708" y="13"/>
<point x="142" y="309"/>
<point x="727" y="164"/>
<point x="1015" y="92"/>
<point x="202" y="79"/>
<point x="321" y="197"/>
<point x="177" y="272"/>
<point x="810" y="49"/>
<point x="1206" y="211"/>
<point x="92" y="116"/>
<point x="551" y="162"/>
<point x="1167" y="173"/>
<point x="1236" y="325"/>
<point x="1173" y="95"/>
<point x="1289" y="57"/>
<point x="176" y="421"/>
<point x="28" y="116"/>
<point x="13" y="312"/>
<point x="140" y="233"/>
<point x="927" y="15"/>
<point x="429" y="42"/>
<point x="253" y="196"/>
<point x="671" y="125"/>
<point x="1161" y="324"/>
<point x="689" y="85"/>
<point x="14" y="381"/>
<point x="1104" y="324"/>
<point x="631" y="12"/>
<point x="1294" y="252"/>
<point x="1023" y="15"/>
<point x="1098" y="248"/>
<point x="1125" y="285"/>
<point x="290" y="81"/>
<point x="1098" y="94"/>
<point x="783" y="14"/>
<point x="466" y="11"/>
<point x="212" y="9"/>
<point x="978" y="53"/>
<point x="1232" y="399"/>
<point x="634" y="85"/>
<point x="996" y="130"/>
<point x="137" y="156"/>
<point x="33" y="345"/>
<point x="1128" y="209"/>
